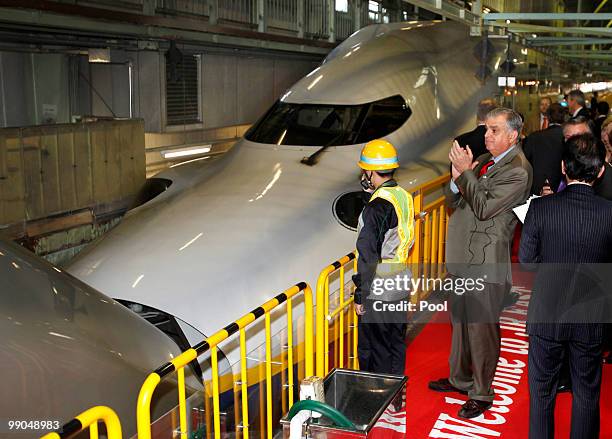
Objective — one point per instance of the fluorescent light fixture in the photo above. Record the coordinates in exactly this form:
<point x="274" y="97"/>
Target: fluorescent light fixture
<point x="185" y="152"/>
<point x="99" y="55"/>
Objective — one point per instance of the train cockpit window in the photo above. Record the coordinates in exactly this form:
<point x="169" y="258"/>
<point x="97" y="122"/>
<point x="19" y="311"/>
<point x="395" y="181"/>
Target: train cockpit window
<point x="329" y="125"/>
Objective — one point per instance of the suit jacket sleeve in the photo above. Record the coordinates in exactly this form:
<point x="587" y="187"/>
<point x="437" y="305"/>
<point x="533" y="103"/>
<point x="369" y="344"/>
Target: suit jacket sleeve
<point x="529" y="249"/>
<point x="452" y="199"/>
<point x="506" y="192"/>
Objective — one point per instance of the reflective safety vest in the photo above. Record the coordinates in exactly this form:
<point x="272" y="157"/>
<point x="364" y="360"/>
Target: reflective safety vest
<point x="404" y="209"/>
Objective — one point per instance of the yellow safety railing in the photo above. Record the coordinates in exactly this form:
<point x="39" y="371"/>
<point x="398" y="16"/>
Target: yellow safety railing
<point x="343" y="312"/>
<point x="426" y="258"/>
<point x="427" y="254"/>
<point x="90" y="418"/>
<point x="143" y="410"/>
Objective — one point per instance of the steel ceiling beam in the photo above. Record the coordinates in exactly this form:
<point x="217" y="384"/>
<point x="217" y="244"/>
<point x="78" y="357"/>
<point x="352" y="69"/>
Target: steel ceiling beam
<point x="536" y="16"/>
<point x="448" y="10"/>
<point x="607" y="56"/>
<point x="537" y="29"/>
<point x="574" y="42"/>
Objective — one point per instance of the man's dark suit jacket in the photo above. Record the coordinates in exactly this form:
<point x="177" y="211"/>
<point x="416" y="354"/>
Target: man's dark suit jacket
<point x="570" y="235"/>
<point x="475" y="139"/>
<point x="583" y="112"/>
<point x="544" y="150"/>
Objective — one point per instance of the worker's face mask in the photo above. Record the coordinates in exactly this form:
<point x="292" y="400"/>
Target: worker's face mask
<point x="366" y="182"/>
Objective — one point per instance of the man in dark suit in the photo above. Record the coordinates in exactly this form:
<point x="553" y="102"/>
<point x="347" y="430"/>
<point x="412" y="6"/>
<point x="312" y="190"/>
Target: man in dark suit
<point x="576" y="103"/>
<point x="544" y="149"/>
<point x="483" y="195"/>
<point x="565" y="236"/>
<point x="475" y="139"/>
<point x="601" y="113"/>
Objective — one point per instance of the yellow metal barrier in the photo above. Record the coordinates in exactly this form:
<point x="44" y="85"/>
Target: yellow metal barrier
<point x="143" y="410"/>
<point x="426" y="256"/>
<point x="90" y="418"/>
<point x="323" y="319"/>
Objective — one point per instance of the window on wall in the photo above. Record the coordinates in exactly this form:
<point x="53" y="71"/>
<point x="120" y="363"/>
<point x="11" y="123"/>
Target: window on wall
<point x="342" y="5"/>
<point x="374" y="11"/>
<point x="183" y="90"/>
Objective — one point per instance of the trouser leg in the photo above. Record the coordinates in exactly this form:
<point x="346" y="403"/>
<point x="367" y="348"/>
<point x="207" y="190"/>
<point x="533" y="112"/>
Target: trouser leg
<point x="396" y="340"/>
<point x="459" y="360"/>
<point x="545" y="357"/>
<point x="585" y="368"/>
<point x="484" y="339"/>
<point x="364" y="346"/>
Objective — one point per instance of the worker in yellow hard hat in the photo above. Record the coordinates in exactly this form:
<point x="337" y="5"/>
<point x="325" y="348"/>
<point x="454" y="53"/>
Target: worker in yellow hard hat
<point x="385" y="236"/>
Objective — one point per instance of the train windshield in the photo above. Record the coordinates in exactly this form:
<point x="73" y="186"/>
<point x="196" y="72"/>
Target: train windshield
<point x="329" y="125"/>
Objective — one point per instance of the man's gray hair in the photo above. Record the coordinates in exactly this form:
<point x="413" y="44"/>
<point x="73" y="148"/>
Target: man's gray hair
<point x="578" y="96"/>
<point x="580" y="120"/>
<point x="514" y="121"/>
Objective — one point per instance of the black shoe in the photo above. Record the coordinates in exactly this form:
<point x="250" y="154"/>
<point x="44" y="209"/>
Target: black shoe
<point x="510" y="299"/>
<point x="474" y="408"/>
<point x="564" y="388"/>
<point x="444" y="385"/>
<point x="608" y="359"/>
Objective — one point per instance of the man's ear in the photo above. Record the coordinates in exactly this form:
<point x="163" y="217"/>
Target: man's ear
<point x="601" y="171"/>
<point x="514" y="136"/>
<point x="563" y="167"/>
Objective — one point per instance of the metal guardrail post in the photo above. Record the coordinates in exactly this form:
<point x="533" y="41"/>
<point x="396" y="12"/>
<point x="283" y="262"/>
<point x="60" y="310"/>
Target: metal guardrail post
<point x="211" y="344"/>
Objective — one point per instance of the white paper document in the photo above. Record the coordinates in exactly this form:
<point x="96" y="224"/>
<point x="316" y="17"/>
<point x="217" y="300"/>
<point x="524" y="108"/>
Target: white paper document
<point x="521" y="211"/>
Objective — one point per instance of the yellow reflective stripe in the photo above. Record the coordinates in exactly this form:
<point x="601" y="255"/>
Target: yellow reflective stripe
<point x="404" y="209"/>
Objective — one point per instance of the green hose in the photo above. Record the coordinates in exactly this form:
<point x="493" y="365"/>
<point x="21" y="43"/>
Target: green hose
<point x="326" y="410"/>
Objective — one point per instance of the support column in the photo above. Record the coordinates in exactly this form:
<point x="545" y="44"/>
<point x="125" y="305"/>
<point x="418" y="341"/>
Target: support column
<point x="213" y="11"/>
<point x="300" y="18"/>
<point x="331" y="20"/>
<point x="261" y="16"/>
<point x="357" y="13"/>
<point x="148" y="7"/>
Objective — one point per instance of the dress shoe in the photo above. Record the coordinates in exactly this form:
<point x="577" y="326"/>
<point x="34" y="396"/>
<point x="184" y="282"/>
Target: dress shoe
<point x="564" y="388"/>
<point x="510" y="299"/>
<point x="473" y="408"/>
<point x="444" y="385"/>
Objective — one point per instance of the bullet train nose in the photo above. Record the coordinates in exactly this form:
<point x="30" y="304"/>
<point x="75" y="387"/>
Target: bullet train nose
<point x="237" y="237"/>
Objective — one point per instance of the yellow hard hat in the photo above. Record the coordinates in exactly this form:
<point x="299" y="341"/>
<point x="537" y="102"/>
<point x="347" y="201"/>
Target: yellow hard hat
<point x="378" y="155"/>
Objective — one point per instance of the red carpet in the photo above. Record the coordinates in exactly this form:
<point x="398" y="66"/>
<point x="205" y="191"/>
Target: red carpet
<point x="434" y="415"/>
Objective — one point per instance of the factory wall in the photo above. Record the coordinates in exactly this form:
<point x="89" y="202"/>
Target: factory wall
<point x="235" y="87"/>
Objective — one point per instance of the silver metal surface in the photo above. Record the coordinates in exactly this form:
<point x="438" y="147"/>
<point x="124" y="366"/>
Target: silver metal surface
<point x="65" y="347"/>
<point x="360" y="396"/>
